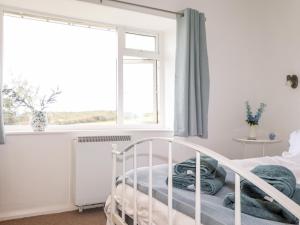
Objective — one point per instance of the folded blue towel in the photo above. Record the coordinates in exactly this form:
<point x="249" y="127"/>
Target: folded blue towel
<point x="212" y="176"/>
<point x="212" y="186"/>
<point x="296" y="196"/>
<point x="278" y="176"/>
<point x="208" y="185"/>
<point x="208" y="166"/>
<point x="184" y="181"/>
<point x="261" y="208"/>
<point x="256" y="203"/>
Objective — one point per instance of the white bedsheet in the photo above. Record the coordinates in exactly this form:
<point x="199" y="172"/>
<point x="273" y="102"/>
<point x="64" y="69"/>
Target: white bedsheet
<point x="292" y="162"/>
<point x="160" y="210"/>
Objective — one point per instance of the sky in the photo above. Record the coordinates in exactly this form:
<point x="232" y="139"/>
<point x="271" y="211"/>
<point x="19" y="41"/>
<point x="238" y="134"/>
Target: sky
<point x="81" y="61"/>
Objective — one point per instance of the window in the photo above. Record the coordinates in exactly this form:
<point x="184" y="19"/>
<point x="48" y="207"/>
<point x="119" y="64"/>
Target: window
<point x="140" y="83"/>
<point x="140" y="42"/>
<point x="81" y="63"/>
<point x="140" y="79"/>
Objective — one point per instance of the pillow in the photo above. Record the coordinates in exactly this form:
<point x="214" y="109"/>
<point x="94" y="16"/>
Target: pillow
<point x="294" y="142"/>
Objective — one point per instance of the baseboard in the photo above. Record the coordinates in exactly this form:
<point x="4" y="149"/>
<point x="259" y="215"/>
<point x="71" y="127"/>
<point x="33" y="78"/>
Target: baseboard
<point x="18" y="214"/>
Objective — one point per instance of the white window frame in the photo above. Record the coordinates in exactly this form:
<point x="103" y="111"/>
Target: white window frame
<point x="153" y="62"/>
<point x="152" y="55"/>
<point x="143" y="53"/>
<point x="122" y="51"/>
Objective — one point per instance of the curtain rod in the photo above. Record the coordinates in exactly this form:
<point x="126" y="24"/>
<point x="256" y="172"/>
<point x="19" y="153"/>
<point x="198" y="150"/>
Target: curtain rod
<point x="144" y="6"/>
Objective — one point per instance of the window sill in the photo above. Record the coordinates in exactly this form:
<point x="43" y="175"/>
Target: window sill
<point x="103" y="131"/>
<point x="17" y="133"/>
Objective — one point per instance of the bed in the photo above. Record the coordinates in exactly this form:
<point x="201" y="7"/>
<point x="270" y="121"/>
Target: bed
<point x="146" y="188"/>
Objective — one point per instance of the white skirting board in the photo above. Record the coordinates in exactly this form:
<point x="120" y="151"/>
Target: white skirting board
<point x="36" y="212"/>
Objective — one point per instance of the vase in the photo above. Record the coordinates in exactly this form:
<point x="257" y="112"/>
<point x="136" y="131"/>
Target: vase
<point x="252" y="132"/>
<point x="39" y="121"/>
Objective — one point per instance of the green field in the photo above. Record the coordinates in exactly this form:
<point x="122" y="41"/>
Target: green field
<point x="68" y="118"/>
<point x="64" y="118"/>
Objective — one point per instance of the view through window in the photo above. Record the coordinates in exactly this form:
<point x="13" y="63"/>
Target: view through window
<point x="140" y="100"/>
<point x="77" y="66"/>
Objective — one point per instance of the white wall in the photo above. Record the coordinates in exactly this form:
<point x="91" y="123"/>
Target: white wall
<point x="35" y="170"/>
<point x="248" y="59"/>
<point x="34" y="174"/>
<point x="281" y="44"/>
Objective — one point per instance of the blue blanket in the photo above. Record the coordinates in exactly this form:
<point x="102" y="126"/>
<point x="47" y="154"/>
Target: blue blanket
<point x="257" y="203"/>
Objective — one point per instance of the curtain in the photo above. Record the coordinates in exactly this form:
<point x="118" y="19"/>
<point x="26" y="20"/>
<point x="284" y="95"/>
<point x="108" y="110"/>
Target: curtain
<point x="2" y="134"/>
<point x="191" y="76"/>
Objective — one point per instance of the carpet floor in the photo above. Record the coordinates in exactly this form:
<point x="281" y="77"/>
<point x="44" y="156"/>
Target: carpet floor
<point x="88" y="217"/>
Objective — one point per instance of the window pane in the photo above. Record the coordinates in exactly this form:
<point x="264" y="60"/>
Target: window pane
<point x="140" y="42"/>
<point x="41" y="56"/>
<point x="140" y="92"/>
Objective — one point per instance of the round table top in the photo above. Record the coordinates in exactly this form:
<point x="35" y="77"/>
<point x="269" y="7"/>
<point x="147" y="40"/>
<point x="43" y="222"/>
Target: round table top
<point x="256" y="141"/>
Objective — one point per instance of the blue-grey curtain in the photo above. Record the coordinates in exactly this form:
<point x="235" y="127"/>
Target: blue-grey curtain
<point x="2" y="133"/>
<point x="191" y="76"/>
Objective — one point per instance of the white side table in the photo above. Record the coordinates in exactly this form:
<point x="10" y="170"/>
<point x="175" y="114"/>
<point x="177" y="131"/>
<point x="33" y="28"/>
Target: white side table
<point x="262" y="142"/>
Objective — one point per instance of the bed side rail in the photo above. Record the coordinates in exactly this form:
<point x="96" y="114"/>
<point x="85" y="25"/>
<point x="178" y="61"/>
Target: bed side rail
<point x="290" y="205"/>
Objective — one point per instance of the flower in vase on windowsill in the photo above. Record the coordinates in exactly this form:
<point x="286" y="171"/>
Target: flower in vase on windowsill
<point x="28" y="97"/>
<point x="253" y="120"/>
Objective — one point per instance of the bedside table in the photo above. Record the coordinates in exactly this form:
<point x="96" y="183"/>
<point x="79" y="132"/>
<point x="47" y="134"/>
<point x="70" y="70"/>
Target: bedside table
<point x="262" y="142"/>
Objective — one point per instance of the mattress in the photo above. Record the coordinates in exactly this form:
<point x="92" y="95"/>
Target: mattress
<point x="213" y="211"/>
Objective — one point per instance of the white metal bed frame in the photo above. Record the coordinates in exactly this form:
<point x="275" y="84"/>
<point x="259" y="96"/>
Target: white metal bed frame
<point x="116" y="219"/>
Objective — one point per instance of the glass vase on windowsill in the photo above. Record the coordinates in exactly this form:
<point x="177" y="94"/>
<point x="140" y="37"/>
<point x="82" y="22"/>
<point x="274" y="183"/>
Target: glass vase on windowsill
<point x="39" y="121"/>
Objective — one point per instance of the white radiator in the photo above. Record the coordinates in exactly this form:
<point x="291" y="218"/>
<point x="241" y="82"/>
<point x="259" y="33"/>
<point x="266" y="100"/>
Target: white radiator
<point x="92" y="168"/>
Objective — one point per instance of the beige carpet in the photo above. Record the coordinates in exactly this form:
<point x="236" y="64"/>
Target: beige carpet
<point x="88" y="217"/>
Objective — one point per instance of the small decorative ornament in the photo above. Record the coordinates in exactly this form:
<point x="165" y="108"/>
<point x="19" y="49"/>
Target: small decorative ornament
<point x="39" y="121"/>
<point x="253" y="120"/>
<point x="272" y="136"/>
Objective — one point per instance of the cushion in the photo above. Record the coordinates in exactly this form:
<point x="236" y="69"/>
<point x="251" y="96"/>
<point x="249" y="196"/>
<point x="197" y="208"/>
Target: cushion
<point x="294" y="142"/>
